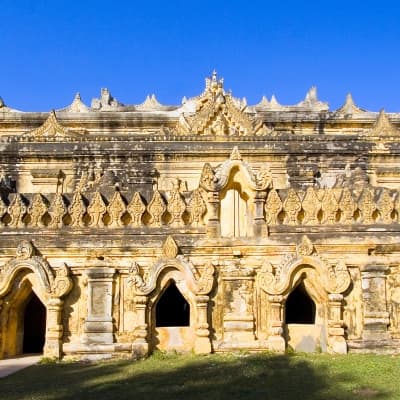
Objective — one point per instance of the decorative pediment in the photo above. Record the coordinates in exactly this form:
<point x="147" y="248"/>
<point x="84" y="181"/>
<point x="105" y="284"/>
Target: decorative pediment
<point x="200" y="284"/>
<point x="55" y="284"/>
<point x="215" y="179"/>
<point x="218" y="113"/>
<point x="50" y="128"/>
<point x="383" y="126"/>
<point x="276" y="280"/>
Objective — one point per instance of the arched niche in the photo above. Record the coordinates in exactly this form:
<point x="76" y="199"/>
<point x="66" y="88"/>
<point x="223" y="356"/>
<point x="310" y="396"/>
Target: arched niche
<point x="25" y="288"/>
<point x="181" y="338"/>
<point x="237" y="204"/>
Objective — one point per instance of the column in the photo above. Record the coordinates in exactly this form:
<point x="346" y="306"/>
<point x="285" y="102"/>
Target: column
<point x="54" y="331"/>
<point x="141" y="345"/>
<point x="202" y="341"/>
<point x="276" y="340"/>
<point x="336" y="341"/>
<point x="376" y="316"/>
<point x="98" y="327"/>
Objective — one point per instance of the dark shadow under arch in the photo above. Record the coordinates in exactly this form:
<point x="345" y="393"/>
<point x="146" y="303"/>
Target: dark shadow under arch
<point x="34" y="325"/>
<point x="299" y="308"/>
<point x="172" y="309"/>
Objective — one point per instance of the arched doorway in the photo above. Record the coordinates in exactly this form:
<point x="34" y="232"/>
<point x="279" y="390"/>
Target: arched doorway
<point x="23" y="318"/>
<point x="300" y="308"/>
<point x="173" y="315"/>
<point x="34" y="325"/>
<point x="172" y="309"/>
<point x="305" y="322"/>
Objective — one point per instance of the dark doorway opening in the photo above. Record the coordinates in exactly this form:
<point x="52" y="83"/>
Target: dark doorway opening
<point x="300" y="308"/>
<point x="34" y="326"/>
<point x="172" y="309"/>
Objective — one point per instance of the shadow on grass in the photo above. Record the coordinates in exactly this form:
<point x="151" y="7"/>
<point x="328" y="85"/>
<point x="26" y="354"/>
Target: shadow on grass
<point x="267" y="377"/>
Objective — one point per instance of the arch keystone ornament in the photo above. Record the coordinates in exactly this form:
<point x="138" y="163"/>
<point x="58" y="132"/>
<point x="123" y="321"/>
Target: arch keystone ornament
<point x="49" y="286"/>
<point x="170" y="248"/>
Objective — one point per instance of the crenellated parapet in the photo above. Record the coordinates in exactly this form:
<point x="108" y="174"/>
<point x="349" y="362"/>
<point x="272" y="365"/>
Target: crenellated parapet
<point x="332" y="206"/>
<point x="103" y="210"/>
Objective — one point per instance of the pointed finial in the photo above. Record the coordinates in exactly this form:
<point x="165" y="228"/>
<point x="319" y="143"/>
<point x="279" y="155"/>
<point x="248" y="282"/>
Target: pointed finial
<point x="1" y="102"/>
<point x="170" y="248"/>
<point x="235" y="155"/>
<point x="349" y="107"/>
<point x="383" y="126"/>
<point x="214" y="75"/>
<point x="311" y="95"/>
<point x="274" y="102"/>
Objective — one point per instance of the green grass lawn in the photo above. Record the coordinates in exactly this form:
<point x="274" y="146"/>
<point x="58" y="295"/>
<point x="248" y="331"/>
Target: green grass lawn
<point x="213" y="377"/>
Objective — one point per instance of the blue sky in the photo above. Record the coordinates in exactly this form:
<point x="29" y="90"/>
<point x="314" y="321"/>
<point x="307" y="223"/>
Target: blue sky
<point x="52" y="49"/>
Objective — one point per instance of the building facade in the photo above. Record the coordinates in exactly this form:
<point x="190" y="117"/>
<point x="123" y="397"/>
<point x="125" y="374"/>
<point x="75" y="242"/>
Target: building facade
<point x="209" y="226"/>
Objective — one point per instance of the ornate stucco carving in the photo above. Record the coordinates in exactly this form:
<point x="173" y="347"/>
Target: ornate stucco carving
<point x="199" y="284"/>
<point x="55" y="284"/>
<point x="218" y="114"/>
<point x="116" y="209"/>
<point x="37" y="210"/>
<point x="96" y="210"/>
<point x="170" y="248"/>
<point x="57" y="211"/>
<point x="215" y="179"/>
<point x="136" y="208"/>
<point x="278" y="280"/>
<point x="77" y="210"/>
<point x="50" y="128"/>
<point x="176" y="204"/>
<point x="17" y="210"/>
<point x="196" y="208"/>
<point x="273" y="206"/>
<point x="156" y="209"/>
